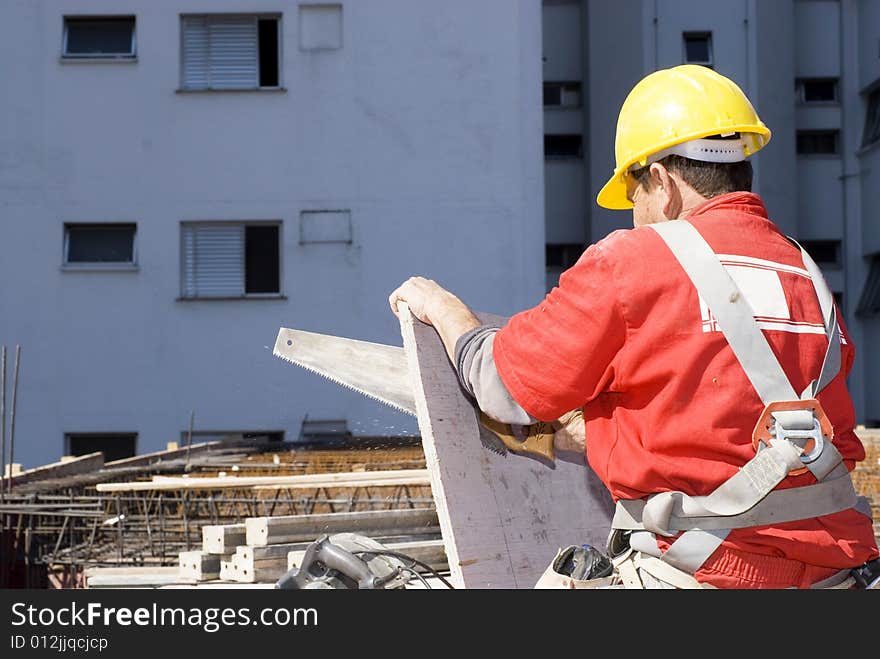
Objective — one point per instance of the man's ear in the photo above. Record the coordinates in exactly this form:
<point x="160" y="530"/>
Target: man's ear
<point x="668" y="188"/>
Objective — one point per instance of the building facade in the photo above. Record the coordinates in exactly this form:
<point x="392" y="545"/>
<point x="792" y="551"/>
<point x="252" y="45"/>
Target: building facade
<point x="811" y="68"/>
<point x="179" y="180"/>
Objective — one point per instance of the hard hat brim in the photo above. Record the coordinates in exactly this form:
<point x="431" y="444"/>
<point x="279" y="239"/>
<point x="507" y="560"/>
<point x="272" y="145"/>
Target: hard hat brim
<point x="613" y="194"/>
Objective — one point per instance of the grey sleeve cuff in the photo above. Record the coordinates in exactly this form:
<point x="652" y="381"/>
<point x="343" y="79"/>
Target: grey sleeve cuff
<point x="478" y="376"/>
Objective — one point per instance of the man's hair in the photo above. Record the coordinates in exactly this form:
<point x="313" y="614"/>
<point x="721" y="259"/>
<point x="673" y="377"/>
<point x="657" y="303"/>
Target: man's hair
<point x="710" y="179"/>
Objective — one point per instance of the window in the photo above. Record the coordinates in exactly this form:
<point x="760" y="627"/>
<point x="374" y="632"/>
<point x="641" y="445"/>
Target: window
<point x="99" y="245"/>
<point x="562" y="94"/>
<point x="563" y="256"/>
<point x="872" y="118"/>
<point x="230" y="52"/>
<point x="869" y="303"/>
<point x="563" y="146"/>
<point x="230" y="259"/>
<point x="114" y="446"/>
<point x="559" y="257"/>
<point x="826" y="253"/>
<point x="816" y="90"/>
<point x="110" y="37"/>
<point x="325" y="226"/>
<point x="698" y="48"/>
<point x="320" y="26"/>
<point x="818" y="142"/>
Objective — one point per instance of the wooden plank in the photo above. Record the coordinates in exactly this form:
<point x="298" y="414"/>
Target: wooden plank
<point x="227" y="569"/>
<point x="160" y="456"/>
<point x="503" y="517"/>
<point x="250" y="571"/>
<point x="258" y="553"/>
<point x="134" y="577"/>
<point x="200" y="565"/>
<point x="67" y="467"/>
<point x="222" y="538"/>
<point x="303" y="481"/>
<point x="297" y="528"/>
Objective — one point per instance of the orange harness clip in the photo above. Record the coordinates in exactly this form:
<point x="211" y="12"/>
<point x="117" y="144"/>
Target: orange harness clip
<point x="822" y="431"/>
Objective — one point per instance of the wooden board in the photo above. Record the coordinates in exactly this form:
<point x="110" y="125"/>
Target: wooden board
<point x="263" y="531"/>
<point x="79" y="465"/>
<point x="503" y="518"/>
<point x="222" y="538"/>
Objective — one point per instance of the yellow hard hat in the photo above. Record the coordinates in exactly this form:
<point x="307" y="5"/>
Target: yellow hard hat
<point x="669" y="111"/>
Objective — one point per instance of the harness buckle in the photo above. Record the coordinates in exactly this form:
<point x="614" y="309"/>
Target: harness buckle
<point x="811" y="440"/>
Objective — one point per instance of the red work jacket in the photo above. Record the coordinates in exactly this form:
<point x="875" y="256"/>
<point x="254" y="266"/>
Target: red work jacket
<point x="666" y="404"/>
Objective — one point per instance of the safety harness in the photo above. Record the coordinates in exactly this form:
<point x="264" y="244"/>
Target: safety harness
<point x="792" y="434"/>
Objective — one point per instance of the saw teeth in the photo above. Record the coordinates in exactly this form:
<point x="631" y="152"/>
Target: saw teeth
<point x="343" y="384"/>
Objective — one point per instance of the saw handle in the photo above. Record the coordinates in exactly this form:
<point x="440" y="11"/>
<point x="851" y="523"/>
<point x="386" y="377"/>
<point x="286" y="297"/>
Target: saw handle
<point x="538" y="441"/>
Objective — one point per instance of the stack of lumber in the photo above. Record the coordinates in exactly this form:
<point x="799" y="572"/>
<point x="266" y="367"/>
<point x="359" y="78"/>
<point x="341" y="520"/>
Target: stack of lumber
<point x="262" y="549"/>
<point x="866" y="475"/>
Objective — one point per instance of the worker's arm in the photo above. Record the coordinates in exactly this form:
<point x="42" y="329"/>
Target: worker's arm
<point x="468" y="344"/>
<point x="433" y="304"/>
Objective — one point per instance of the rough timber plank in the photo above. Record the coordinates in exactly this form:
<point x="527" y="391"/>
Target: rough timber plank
<point x="263" y="531"/>
<point x="502" y="517"/>
<point x="222" y="538"/>
<point x="78" y="465"/>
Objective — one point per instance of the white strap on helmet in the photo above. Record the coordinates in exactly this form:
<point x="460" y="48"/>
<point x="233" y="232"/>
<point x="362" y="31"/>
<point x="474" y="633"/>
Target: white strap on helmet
<point x="703" y="149"/>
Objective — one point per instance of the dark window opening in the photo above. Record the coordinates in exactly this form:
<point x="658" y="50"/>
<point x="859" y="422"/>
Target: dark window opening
<point x="872" y="119"/>
<point x="268" y="42"/>
<point x="818" y="142"/>
<point x="562" y="256"/>
<point x="99" y="37"/>
<point x="99" y="243"/>
<point x="824" y="252"/>
<point x="563" y="146"/>
<point x="114" y="446"/>
<point x="262" y="263"/>
<point x="816" y="90"/>
<point x="562" y="94"/>
<point x="698" y="48"/>
<point x="869" y="302"/>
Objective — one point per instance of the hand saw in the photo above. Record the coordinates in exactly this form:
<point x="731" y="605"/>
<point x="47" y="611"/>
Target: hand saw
<point x="380" y="372"/>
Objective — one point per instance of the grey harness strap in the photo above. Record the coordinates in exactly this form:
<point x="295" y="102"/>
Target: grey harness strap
<point x="747" y="498"/>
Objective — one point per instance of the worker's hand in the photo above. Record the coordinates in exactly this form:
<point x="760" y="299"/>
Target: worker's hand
<point x="425" y="297"/>
<point x="569" y="432"/>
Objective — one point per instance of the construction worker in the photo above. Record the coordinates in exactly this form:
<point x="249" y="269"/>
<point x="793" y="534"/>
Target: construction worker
<point x="699" y="355"/>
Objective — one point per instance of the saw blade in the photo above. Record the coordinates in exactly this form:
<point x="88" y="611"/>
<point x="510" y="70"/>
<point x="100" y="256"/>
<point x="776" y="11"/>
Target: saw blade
<point x="375" y="370"/>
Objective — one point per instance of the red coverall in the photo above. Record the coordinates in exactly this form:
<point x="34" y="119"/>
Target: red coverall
<point x="666" y="404"/>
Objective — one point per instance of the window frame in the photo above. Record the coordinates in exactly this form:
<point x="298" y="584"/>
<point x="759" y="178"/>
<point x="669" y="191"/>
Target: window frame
<point x="871" y="129"/>
<point x="128" y="435"/>
<point x="819" y="155"/>
<point x="245" y="295"/>
<point x="869" y="300"/>
<point x="562" y="85"/>
<point x="103" y="266"/>
<point x="256" y="16"/>
<point x="800" y="89"/>
<point x="109" y="57"/>
<point x="707" y="34"/>
<point x="565" y="157"/>
<point x="835" y="243"/>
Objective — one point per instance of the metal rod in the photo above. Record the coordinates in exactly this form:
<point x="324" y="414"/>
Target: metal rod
<point x="12" y="415"/>
<point x="189" y="438"/>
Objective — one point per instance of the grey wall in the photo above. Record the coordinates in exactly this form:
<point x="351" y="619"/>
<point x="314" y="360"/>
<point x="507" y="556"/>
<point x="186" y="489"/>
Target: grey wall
<point x="426" y="124"/>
